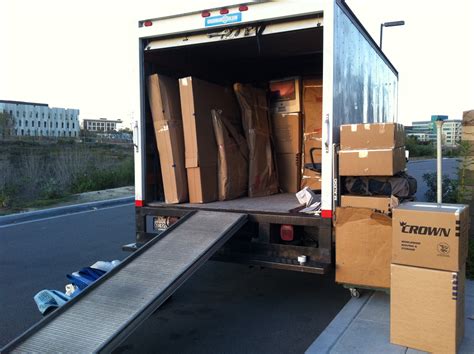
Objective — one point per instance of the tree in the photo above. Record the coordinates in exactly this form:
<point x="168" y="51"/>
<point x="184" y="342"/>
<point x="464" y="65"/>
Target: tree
<point x="6" y="125"/>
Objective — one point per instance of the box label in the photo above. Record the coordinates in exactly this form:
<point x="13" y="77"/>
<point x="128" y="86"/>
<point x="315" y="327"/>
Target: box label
<point x="223" y="19"/>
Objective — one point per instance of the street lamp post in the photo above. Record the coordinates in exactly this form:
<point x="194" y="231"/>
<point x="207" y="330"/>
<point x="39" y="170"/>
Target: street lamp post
<point x="389" y="24"/>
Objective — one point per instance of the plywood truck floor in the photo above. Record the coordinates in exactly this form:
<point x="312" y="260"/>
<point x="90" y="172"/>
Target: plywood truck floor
<point x="281" y="203"/>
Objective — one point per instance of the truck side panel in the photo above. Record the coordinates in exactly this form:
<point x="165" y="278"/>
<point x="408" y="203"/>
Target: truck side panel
<point x="360" y="86"/>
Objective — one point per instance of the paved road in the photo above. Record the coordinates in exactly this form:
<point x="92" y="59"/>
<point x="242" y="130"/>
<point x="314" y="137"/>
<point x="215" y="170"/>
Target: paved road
<point x="223" y="308"/>
<point x="417" y="168"/>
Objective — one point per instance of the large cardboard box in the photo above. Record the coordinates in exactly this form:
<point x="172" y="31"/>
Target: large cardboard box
<point x="287" y="133"/>
<point x="363" y="247"/>
<point x="313" y="106"/>
<point x="427" y="308"/>
<point x="430" y="235"/>
<point x="233" y="159"/>
<point x="379" y="203"/>
<point x="289" y="172"/>
<point x="163" y="95"/>
<point x="256" y="122"/>
<point x="285" y="95"/>
<point x="381" y="162"/>
<point x="198" y="97"/>
<point x="372" y="136"/>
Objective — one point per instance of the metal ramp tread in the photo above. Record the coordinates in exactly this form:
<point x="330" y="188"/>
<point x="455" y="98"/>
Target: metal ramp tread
<point x="103" y="315"/>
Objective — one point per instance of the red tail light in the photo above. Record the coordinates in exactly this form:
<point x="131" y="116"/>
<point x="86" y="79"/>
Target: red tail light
<point x="243" y="8"/>
<point x="287" y="232"/>
<point x="148" y="23"/>
<point x="224" y="11"/>
<point x="205" y="14"/>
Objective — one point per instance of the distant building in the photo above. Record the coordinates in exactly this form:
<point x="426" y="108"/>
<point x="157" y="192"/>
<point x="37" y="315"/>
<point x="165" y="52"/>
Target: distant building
<point x="38" y="119"/>
<point x="425" y="131"/>
<point x="101" y="124"/>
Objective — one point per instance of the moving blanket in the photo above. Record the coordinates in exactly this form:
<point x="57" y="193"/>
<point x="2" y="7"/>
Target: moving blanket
<point x="400" y="185"/>
<point x="256" y="122"/>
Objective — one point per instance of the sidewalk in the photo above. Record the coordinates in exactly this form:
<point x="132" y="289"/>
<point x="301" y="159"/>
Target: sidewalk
<point x="363" y="326"/>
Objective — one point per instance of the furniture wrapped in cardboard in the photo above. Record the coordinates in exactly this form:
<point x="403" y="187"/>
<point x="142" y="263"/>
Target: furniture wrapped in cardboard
<point x="312" y="136"/>
<point x="163" y="95"/>
<point x="198" y="97"/>
<point x="430" y="235"/>
<point x="232" y="163"/>
<point x="372" y="136"/>
<point x="255" y="120"/>
<point x="365" y="162"/>
<point x="378" y="203"/>
<point x="363" y="247"/>
<point x="427" y="308"/>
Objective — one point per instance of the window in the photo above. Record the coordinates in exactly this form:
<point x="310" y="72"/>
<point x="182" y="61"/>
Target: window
<point x="62" y="124"/>
<point x="75" y="133"/>
<point x="67" y="125"/>
<point x="49" y="115"/>
<point x="22" y="132"/>
<point x="36" y="114"/>
<point x="50" y="124"/>
<point x="32" y="123"/>
<point x="11" y="112"/>
<point x="56" y="124"/>
<point x="24" y="114"/>
<point x="42" y="115"/>
<point x="44" y="124"/>
<point x="73" y="126"/>
<point x="26" y="124"/>
<point x="69" y="134"/>
<point x="19" y="123"/>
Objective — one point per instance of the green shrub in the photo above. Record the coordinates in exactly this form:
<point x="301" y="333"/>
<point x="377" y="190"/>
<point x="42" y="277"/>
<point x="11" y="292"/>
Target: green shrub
<point x="450" y="188"/>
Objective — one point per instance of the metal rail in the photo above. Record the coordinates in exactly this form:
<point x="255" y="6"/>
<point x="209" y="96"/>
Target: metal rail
<point x="104" y="314"/>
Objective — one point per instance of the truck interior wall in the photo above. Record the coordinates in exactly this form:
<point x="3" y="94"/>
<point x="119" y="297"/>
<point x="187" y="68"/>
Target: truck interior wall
<point x="254" y="60"/>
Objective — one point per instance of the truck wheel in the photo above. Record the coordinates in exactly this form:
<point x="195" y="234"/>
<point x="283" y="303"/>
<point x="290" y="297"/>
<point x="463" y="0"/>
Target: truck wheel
<point x="355" y="293"/>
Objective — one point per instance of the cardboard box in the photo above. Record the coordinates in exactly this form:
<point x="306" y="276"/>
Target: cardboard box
<point x="198" y="97"/>
<point x="233" y="159"/>
<point x="163" y="95"/>
<point x="430" y="235"/>
<point x="427" y="308"/>
<point x="381" y="162"/>
<point x="289" y="172"/>
<point x="313" y="106"/>
<point x="382" y="204"/>
<point x="311" y="178"/>
<point x="372" y="136"/>
<point x="256" y="122"/>
<point x="287" y="133"/>
<point x="285" y="95"/>
<point x="363" y="247"/>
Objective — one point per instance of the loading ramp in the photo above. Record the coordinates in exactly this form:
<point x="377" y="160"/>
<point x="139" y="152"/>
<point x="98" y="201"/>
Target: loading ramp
<point x="105" y="313"/>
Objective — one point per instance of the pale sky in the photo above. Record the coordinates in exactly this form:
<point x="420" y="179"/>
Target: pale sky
<point x="82" y="54"/>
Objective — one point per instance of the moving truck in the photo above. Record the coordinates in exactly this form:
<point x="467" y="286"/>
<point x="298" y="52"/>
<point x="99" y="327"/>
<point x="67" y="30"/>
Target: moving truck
<point x="258" y="41"/>
<point x="245" y="42"/>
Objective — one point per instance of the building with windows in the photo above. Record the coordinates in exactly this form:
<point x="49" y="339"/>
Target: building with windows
<point x="101" y="125"/>
<point x="425" y="131"/>
<point x="38" y="119"/>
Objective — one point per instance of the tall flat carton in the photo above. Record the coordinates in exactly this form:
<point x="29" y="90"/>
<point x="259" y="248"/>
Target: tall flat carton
<point x="289" y="172"/>
<point x="163" y="95"/>
<point x="383" y="204"/>
<point x="372" y="136"/>
<point x="198" y="98"/>
<point x="256" y="122"/>
<point x="380" y="162"/>
<point x="313" y="106"/>
<point x="363" y="247"/>
<point x="427" y="308"/>
<point x="430" y="235"/>
<point x="287" y="132"/>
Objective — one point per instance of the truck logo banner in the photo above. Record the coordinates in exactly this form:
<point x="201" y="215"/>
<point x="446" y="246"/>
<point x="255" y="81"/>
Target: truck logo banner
<point x="424" y="230"/>
<point x="223" y="19"/>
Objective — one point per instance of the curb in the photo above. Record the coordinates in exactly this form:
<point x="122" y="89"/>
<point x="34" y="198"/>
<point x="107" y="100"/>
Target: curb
<point x="329" y="337"/>
<point x="64" y="210"/>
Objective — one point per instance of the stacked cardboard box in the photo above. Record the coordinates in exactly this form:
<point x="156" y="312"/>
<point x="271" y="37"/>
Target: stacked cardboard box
<point x="429" y="250"/>
<point x="163" y="95"/>
<point x="312" y="141"/>
<point x="287" y="142"/>
<point x="372" y="149"/>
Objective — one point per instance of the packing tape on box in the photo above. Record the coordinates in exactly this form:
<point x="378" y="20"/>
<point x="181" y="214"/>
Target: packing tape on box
<point x="353" y="127"/>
